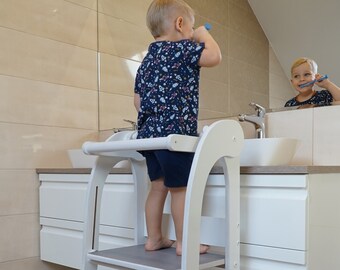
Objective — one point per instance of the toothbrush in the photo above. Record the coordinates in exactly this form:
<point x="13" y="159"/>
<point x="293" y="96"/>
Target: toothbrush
<point x="312" y="82"/>
<point x="207" y="26"/>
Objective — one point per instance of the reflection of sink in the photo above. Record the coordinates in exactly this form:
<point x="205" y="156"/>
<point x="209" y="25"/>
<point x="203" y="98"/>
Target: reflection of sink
<point x="268" y="151"/>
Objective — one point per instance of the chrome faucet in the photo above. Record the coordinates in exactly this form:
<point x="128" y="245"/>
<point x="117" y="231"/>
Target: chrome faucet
<point x="133" y="126"/>
<point x="257" y="119"/>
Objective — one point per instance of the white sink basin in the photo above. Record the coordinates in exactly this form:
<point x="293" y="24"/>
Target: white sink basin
<point x="268" y="151"/>
<point x="255" y="152"/>
<point x="80" y="160"/>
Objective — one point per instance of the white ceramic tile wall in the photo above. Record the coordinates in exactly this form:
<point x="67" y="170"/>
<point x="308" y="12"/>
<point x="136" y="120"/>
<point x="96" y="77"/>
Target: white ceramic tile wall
<point x="49" y="86"/>
<point x="280" y="88"/>
<point x="49" y="103"/>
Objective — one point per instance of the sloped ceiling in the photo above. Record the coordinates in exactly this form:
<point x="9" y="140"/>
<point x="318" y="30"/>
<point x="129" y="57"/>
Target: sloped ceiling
<point x="296" y="28"/>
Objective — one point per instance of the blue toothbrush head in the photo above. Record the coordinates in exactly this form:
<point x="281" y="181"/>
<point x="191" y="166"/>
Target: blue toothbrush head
<point x="207" y="26"/>
<point x="324" y="77"/>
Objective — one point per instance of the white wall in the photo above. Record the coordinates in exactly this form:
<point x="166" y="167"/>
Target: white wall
<point x="298" y="28"/>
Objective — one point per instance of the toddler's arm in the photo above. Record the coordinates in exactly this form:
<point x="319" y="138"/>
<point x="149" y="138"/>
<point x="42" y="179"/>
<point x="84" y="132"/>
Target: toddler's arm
<point x="211" y="55"/>
<point x="136" y="101"/>
<point x="330" y="86"/>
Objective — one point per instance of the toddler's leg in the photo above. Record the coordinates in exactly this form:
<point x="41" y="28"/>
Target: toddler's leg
<point x="154" y="213"/>
<point x="177" y="211"/>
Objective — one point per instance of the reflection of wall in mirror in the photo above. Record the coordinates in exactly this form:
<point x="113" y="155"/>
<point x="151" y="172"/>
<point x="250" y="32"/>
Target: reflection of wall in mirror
<point x="280" y="88"/>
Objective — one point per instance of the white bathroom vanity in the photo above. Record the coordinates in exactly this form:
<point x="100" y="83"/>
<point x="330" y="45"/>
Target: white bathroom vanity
<point x="289" y="215"/>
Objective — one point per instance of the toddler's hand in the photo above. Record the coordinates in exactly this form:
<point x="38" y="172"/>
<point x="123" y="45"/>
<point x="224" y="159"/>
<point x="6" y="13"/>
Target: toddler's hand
<point x="200" y="34"/>
<point x="321" y="80"/>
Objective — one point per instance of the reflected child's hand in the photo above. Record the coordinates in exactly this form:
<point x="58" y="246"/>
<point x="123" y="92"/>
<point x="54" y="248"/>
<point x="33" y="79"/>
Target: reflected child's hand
<point x="322" y="80"/>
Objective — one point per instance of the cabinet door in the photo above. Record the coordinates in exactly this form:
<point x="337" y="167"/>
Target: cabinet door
<point x="118" y="202"/>
<point x="63" y="197"/>
<point x="62" y="209"/>
<point x="274" y="211"/>
<point x="61" y="241"/>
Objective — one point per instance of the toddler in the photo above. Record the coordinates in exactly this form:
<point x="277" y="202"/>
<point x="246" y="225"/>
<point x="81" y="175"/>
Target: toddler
<point x="166" y="98"/>
<point x="305" y="70"/>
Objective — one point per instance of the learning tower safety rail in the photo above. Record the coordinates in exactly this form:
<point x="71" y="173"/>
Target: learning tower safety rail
<point x="222" y="141"/>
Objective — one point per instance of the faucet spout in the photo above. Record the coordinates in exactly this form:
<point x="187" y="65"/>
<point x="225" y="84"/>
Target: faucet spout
<point x="257" y="119"/>
<point x="252" y="119"/>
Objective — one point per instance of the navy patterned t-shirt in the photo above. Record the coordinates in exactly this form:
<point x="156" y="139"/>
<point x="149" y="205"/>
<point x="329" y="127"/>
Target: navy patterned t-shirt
<point x="167" y="82"/>
<point x="321" y="98"/>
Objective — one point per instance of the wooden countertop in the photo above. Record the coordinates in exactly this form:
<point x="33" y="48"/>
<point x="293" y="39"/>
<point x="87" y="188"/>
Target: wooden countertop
<point x="215" y="170"/>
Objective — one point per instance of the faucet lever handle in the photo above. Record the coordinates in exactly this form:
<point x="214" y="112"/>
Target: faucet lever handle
<point x="261" y="111"/>
<point x="133" y="124"/>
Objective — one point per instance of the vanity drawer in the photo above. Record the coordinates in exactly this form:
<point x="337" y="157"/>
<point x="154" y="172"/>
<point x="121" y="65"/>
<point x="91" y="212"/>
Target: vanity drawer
<point x="274" y="211"/>
<point x="273" y="214"/>
<point x="61" y="241"/>
<point x="63" y="197"/>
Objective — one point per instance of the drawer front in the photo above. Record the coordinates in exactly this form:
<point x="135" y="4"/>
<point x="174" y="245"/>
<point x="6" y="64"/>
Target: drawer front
<point x="118" y="205"/>
<point x="61" y="241"/>
<point x="273" y="211"/>
<point x="66" y="200"/>
<point x="274" y="215"/>
<point x="62" y="200"/>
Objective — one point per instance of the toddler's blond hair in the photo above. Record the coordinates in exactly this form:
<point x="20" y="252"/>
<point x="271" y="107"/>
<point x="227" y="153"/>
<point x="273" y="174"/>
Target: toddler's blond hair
<point x="161" y="13"/>
<point x="313" y="65"/>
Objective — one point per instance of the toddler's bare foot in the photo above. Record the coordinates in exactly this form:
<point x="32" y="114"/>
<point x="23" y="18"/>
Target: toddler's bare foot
<point x="203" y="249"/>
<point x="163" y="243"/>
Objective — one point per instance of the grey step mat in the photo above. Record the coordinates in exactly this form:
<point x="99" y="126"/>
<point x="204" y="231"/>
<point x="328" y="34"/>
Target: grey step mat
<point x="135" y="257"/>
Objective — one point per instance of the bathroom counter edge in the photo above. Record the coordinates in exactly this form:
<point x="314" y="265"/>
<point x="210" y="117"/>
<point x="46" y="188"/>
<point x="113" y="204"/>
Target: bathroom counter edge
<point x="216" y="170"/>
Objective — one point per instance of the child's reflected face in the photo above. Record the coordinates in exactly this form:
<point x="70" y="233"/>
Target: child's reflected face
<point x="302" y="74"/>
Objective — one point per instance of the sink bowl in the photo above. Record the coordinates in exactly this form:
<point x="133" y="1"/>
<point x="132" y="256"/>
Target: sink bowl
<point x="268" y="151"/>
<point x="80" y="160"/>
<point x="255" y="152"/>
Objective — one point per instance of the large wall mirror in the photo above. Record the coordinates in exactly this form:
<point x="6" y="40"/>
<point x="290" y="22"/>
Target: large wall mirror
<point x="226" y="90"/>
<point x="305" y="28"/>
<point x="254" y="68"/>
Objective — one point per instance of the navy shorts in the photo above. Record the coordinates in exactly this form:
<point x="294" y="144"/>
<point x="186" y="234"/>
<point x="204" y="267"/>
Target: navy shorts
<point x="173" y="166"/>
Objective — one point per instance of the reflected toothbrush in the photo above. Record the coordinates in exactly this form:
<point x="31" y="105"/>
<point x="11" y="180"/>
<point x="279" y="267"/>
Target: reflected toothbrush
<point x="312" y="82"/>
